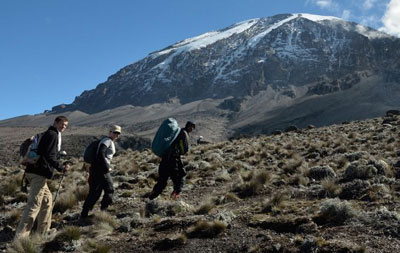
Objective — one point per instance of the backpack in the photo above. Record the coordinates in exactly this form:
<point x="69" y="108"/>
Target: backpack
<point x="28" y="150"/>
<point x="90" y="152"/>
<point x="165" y="136"/>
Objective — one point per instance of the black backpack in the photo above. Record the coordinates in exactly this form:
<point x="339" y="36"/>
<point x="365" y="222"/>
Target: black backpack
<point x="90" y="152"/>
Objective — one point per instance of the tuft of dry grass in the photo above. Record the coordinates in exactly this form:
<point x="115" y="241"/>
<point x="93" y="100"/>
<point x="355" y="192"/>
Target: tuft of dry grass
<point x="31" y="244"/>
<point x="93" y="245"/>
<point x="205" y="208"/>
<point x="205" y="229"/>
<point x="331" y="188"/>
<point x="276" y="202"/>
<point x="81" y="192"/>
<point x="105" y="217"/>
<point x="10" y="186"/>
<point x="68" y="234"/>
<point x="65" y="202"/>
<point x="254" y="187"/>
<point x="13" y="217"/>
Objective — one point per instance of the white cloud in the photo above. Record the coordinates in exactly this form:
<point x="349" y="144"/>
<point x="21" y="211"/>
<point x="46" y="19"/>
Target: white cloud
<point x="346" y="14"/>
<point x="324" y="4"/>
<point x="368" y="4"/>
<point x="391" y="18"/>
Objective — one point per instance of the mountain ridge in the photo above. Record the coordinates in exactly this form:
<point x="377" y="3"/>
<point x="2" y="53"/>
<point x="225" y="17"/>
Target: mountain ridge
<point x="242" y="76"/>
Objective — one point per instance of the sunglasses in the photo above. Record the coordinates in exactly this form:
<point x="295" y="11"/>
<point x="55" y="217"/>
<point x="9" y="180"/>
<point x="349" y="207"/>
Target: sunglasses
<point x="117" y="133"/>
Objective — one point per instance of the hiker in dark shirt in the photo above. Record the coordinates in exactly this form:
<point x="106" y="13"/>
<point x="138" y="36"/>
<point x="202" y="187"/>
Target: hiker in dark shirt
<point x="39" y="204"/>
<point x="100" y="179"/>
<point x="171" y="164"/>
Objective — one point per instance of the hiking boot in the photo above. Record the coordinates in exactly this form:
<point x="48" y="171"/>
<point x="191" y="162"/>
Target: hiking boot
<point x="83" y="222"/>
<point x="174" y="195"/>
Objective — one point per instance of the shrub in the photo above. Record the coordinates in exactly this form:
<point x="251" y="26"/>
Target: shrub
<point x="321" y="172"/>
<point x="335" y="211"/>
<point x="355" y="189"/>
<point x="359" y="170"/>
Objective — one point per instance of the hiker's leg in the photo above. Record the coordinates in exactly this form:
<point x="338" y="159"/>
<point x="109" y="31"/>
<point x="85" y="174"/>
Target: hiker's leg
<point x="33" y="204"/>
<point x="44" y="216"/>
<point x="178" y="181"/>
<point x="163" y="175"/>
<point x="95" y="190"/>
<point x="108" y="192"/>
<point x="178" y="174"/>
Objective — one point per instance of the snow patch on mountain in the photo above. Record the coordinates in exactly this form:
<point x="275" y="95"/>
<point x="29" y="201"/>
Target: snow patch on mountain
<point x="203" y="40"/>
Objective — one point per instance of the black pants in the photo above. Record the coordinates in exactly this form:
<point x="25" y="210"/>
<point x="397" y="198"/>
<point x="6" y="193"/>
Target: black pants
<point x="97" y="184"/>
<point x="170" y="167"/>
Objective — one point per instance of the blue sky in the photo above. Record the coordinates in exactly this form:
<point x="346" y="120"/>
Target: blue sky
<point x="53" y="50"/>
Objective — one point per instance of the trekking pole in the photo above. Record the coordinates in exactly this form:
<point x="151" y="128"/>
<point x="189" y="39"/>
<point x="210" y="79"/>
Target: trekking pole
<point x="59" y="186"/>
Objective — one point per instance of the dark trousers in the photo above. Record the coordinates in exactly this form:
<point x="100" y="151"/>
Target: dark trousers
<point x="170" y="167"/>
<point x="97" y="184"/>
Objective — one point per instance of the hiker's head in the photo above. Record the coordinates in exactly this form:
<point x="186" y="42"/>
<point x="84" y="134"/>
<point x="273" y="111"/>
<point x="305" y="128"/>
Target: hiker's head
<point x="61" y="123"/>
<point x="190" y="126"/>
<point x="115" y="132"/>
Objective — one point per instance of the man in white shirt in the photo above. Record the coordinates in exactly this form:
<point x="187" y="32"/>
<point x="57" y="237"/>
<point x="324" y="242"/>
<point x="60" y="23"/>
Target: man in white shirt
<point x="100" y="179"/>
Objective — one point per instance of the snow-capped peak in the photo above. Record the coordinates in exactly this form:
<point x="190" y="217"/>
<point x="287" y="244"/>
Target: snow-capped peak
<point x="316" y="18"/>
<point x="207" y="38"/>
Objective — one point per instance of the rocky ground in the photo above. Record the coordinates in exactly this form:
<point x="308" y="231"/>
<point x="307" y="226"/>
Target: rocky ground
<point x="330" y="189"/>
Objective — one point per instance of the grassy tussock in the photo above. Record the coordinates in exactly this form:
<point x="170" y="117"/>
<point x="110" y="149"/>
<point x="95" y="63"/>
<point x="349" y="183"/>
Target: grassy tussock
<point x="205" y="208"/>
<point x="93" y="245"/>
<point x="10" y="186"/>
<point x="105" y="218"/>
<point x="32" y="244"/>
<point x="275" y="203"/>
<point x="65" y="201"/>
<point x="81" y="192"/>
<point x="13" y="217"/>
<point x="253" y="184"/>
<point x="68" y="234"/>
<point x="205" y="229"/>
<point x="332" y="189"/>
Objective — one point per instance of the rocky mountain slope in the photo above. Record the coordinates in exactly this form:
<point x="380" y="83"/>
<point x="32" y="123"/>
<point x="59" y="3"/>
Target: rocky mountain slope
<point x="330" y="189"/>
<point x="325" y="54"/>
<point x="253" y="77"/>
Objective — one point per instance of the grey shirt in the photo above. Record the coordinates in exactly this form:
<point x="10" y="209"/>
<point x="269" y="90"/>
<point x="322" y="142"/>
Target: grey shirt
<point x="110" y="151"/>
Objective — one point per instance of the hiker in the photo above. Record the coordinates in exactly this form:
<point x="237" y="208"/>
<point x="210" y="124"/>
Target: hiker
<point x="171" y="164"/>
<point x="39" y="203"/>
<point x="99" y="174"/>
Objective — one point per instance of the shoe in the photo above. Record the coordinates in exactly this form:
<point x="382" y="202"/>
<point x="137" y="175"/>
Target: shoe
<point x="83" y="222"/>
<point x="174" y="195"/>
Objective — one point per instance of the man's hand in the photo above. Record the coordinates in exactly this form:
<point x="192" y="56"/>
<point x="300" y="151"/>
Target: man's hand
<point x="66" y="167"/>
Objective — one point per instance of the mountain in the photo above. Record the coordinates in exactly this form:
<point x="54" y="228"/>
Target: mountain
<point x="256" y="76"/>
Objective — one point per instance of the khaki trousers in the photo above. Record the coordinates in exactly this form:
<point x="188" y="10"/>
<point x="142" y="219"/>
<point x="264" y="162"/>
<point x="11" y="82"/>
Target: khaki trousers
<point x="39" y="205"/>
